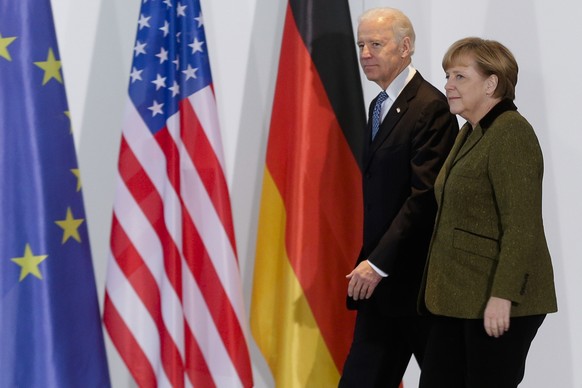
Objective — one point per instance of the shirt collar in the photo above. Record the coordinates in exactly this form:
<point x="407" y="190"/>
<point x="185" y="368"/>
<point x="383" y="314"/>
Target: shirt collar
<point x="400" y="82"/>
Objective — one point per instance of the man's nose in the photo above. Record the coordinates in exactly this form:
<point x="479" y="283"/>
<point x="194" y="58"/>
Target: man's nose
<point x="364" y="52"/>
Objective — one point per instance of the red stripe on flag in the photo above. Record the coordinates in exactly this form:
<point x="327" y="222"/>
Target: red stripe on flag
<point x="149" y="200"/>
<point x="195" y="253"/>
<point x="144" y="284"/>
<point x="196" y="366"/>
<point x="218" y="302"/>
<point x="129" y="349"/>
<point x="207" y="165"/>
<point x="172" y="156"/>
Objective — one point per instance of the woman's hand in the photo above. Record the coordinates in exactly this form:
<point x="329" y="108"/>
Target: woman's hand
<point x="496" y="317"/>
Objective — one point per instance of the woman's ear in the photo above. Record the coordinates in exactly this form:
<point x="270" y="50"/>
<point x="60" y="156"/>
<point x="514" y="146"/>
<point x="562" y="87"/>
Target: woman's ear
<point x="491" y="83"/>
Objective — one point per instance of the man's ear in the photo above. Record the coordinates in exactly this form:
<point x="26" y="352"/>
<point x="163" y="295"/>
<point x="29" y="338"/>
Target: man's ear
<point x="405" y="46"/>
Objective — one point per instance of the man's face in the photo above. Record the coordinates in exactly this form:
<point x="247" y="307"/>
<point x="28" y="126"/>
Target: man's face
<point x="382" y="58"/>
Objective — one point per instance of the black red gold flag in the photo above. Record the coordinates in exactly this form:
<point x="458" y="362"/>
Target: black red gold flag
<point x="310" y="218"/>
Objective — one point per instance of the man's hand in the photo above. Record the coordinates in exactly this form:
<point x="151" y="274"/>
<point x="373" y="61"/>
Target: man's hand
<point x="363" y="281"/>
<point x="496" y="317"/>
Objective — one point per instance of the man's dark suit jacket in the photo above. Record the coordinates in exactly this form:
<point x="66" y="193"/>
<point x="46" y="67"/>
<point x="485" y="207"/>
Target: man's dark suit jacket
<point x="399" y="170"/>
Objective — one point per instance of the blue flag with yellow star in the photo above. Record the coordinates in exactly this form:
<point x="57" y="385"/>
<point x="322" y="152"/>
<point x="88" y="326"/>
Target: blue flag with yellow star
<point x="50" y="326"/>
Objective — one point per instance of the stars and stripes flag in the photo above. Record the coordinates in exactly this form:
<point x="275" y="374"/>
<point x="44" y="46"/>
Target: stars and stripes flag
<point x="173" y="303"/>
<point x="50" y="326"/>
<point x="310" y="223"/>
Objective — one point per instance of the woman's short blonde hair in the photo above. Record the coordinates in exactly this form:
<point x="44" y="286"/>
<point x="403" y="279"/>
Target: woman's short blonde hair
<point x="491" y="57"/>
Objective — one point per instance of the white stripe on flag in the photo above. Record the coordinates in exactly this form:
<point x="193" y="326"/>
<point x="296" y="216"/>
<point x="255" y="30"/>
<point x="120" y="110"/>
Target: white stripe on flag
<point x="208" y="224"/>
<point x="146" y="242"/>
<point x="136" y="317"/>
<point x="208" y="338"/>
<point x="204" y="104"/>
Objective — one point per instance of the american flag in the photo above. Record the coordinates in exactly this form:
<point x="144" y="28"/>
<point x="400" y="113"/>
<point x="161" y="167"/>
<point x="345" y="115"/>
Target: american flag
<point x="173" y="303"/>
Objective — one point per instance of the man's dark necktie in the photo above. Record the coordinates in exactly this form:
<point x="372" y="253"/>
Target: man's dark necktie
<point x="377" y="113"/>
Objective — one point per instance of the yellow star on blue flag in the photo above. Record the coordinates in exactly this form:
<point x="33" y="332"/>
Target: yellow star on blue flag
<point x="29" y="263"/>
<point x="51" y="67"/>
<point x="70" y="227"/>
<point x="4" y="43"/>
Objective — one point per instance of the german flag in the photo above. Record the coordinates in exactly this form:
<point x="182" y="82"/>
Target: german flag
<point x="310" y="223"/>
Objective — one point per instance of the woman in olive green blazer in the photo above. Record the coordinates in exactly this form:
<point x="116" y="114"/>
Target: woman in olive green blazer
<point x="488" y="279"/>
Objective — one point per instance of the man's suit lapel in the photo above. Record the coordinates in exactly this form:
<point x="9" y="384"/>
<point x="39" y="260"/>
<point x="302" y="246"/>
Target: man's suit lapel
<point x="391" y="120"/>
<point x="396" y="112"/>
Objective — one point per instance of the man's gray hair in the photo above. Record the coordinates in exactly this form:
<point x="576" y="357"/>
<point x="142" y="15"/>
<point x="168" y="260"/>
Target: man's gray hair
<point x="401" y="24"/>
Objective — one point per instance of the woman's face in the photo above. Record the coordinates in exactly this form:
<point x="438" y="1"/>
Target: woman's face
<point x="468" y="91"/>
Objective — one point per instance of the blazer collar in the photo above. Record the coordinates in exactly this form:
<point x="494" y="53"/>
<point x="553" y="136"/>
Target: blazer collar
<point x="397" y="110"/>
<point x="501" y="107"/>
<point x="469" y="136"/>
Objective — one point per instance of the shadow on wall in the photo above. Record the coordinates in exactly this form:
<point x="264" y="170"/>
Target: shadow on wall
<point x="549" y="362"/>
<point x="259" y="89"/>
<point x="101" y="134"/>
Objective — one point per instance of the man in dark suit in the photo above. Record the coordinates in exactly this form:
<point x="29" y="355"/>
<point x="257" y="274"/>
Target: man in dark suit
<point x="410" y="131"/>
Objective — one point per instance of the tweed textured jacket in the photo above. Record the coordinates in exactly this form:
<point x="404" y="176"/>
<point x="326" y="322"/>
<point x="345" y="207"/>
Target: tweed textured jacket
<point x="489" y="235"/>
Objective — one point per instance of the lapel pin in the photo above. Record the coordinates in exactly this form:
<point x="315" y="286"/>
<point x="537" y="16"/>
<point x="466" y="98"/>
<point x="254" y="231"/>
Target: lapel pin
<point x="397" y="110"/>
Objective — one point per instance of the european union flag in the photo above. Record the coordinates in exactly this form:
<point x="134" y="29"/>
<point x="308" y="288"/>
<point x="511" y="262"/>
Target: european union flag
<point x="50" y="327"/>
